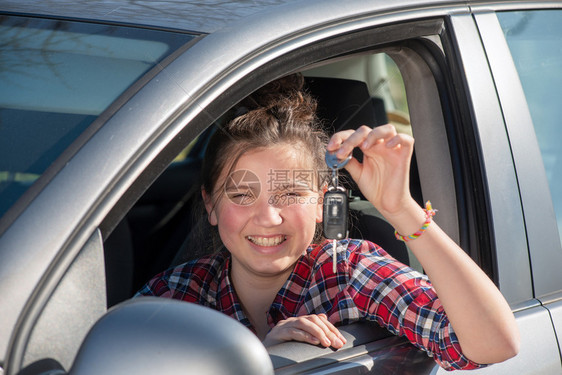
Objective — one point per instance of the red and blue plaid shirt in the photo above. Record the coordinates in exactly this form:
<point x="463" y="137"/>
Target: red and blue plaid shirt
<point x="368" y="284"/>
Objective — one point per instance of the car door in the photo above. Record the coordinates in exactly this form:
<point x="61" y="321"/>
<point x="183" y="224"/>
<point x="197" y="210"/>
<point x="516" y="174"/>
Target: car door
<point x="533" y="283"/>
<point x="523" y="46"/>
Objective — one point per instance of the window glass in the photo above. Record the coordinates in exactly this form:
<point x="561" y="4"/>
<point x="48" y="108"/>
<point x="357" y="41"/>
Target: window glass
<point x="56" y="77"/>
<point x="535" y="41"/>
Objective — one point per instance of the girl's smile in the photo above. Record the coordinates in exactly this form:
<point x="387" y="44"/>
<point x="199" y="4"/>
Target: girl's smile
<point x="267" y="241"/>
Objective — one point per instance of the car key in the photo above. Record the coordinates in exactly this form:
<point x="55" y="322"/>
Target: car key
<point x="335" y="205"/>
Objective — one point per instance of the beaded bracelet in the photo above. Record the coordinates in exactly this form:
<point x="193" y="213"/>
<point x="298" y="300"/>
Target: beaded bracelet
<point x="429" y="213"/>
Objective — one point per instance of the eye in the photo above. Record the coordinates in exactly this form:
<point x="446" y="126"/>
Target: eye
<point x="292" y="194"/>
<point x="242" y="197"/>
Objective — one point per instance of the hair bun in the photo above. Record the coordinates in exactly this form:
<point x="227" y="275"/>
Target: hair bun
<point x="269" y="95"/>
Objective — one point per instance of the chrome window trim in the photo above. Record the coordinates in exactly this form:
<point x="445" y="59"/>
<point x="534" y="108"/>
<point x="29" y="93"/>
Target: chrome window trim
<point x="484" y="6"/>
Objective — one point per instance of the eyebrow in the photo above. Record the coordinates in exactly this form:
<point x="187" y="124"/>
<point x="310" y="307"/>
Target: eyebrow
<point x="291" y="185"/>
<point x="240" y="187"/>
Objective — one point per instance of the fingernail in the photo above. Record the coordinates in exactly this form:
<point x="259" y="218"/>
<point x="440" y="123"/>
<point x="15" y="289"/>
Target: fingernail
<point x="393" y="142"/>
<point x="337" y="343"/>
<point x="326" y="342"/>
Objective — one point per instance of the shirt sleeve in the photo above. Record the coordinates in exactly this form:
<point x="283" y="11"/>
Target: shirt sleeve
<point x="185" y="282"/>
<point x="195" y="281"/>
<point x="404" y="301"/>
<point x="158" y="286"/>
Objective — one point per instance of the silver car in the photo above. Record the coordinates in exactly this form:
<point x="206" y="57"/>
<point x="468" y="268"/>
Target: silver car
<point x="105" y="110"/>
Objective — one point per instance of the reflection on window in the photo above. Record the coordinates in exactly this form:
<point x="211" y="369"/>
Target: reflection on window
<point x="535" y="41"/>
<point x="56" y="77"/>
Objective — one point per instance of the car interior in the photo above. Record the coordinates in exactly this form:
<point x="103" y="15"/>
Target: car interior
<point x="167" y="226"/>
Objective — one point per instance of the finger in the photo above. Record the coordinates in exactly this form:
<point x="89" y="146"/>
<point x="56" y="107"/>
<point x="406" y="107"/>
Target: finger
<point x="288" y="330"/>
<point x="355" y="139"/>
<point x="300" y="329"/>
<point x="298" y="334"/>
<point x="354" y="168"/>
<point x="331" y="328"/>
<point x="345" y="141"/>
<point x="336" y="339"/>
<point x="338" y="138"/>
<point x="314" y="329"/>
<point x="279" y="335"/>
<point x="309" y="327"/>
<point x="401" y="143"/>
<point x="383" y="133"/>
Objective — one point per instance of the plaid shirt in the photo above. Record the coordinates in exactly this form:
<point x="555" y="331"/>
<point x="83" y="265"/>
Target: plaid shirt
<point x="368" y="284"/>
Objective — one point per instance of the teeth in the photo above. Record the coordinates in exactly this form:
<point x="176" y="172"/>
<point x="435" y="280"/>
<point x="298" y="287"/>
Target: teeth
<point x="267" y="241"/>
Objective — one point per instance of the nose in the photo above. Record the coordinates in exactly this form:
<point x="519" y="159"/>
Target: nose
<point x="266" y="212"/>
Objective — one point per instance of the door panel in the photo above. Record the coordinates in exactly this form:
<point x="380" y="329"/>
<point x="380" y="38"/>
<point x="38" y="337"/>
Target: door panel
<point x="555" y="309"/>
<point x="538" y="354"/>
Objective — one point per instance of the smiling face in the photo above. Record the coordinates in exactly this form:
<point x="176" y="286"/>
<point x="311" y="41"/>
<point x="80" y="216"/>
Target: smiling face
<point x="268" y="211"/>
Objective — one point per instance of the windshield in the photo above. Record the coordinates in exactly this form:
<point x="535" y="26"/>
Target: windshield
<point x="56" y="78"/>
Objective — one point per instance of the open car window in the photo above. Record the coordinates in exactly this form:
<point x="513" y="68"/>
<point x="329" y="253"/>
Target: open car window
<point x="168" y="225"/>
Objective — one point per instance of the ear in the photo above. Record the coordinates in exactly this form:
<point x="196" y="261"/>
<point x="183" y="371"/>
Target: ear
<point x="209" y="207"/>
<point x="320" y="207"/>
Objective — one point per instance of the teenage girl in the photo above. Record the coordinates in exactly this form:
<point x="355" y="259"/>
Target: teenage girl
<point x="262" y="191"/>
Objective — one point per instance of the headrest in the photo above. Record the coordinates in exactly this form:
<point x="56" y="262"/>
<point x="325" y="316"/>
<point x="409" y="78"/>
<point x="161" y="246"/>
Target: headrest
<point x="345" y="103"/>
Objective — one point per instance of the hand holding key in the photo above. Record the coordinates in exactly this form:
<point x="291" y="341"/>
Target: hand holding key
<point x="383" y="176"/>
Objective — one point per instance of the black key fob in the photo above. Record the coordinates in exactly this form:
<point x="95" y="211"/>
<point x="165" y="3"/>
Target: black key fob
<point x="335" y="215"/>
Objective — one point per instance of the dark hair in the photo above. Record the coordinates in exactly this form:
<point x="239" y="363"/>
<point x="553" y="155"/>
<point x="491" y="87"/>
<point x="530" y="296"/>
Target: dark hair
<point x="281" y="112"/>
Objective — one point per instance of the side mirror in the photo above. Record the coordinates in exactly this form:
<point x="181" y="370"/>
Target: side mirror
<point x="151" y="335"/>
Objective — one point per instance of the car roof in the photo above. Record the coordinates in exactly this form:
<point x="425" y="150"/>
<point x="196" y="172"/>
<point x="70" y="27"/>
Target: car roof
<point x="197" y="16"/>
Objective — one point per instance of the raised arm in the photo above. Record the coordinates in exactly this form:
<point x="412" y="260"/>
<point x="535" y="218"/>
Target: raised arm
<point x="477" y="311"/>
